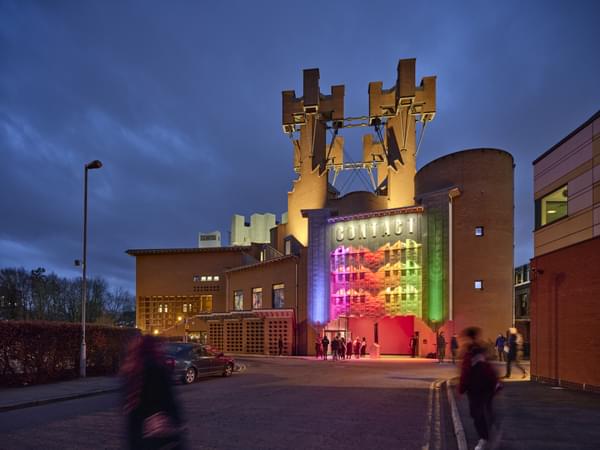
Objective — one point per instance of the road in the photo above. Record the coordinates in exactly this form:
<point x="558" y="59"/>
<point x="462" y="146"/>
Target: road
<point x="276" y="403"/>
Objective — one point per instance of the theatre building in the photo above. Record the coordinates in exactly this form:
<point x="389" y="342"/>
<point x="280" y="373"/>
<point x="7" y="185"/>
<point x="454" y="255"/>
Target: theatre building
<point x="422" y="251"/>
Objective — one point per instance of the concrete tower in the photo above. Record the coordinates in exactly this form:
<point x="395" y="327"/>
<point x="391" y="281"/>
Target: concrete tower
<point x="393" y="114"/>
<point x="401" y="107"/>
<point x="311" y="115"/>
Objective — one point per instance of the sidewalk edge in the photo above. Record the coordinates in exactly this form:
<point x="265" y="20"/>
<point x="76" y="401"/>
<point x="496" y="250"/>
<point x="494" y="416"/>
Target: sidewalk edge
<point x="459" y="431"/>
<point x="4" y="408"/>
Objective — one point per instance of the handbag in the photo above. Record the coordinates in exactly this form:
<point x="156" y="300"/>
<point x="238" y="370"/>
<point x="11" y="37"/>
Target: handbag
<point x="506" y="349"/>
<point x="158" y="425"/>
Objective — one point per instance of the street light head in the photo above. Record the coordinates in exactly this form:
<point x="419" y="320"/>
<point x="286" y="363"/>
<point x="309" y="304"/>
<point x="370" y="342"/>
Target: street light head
<point x="96" y="164"/>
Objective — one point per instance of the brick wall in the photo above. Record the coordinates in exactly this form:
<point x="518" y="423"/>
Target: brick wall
<point x="565" y="316"/>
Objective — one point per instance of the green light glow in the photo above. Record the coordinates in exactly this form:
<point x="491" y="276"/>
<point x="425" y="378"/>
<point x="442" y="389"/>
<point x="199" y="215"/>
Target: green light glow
<point x="435" y="270"/>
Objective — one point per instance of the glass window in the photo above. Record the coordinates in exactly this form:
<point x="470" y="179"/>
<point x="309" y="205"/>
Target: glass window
<point x="206" y="303"/>
<point x="203" y="278"/>
<point x="257" y="298"/>
<point x="196" y="278"/>
<point x="478" y="231"/>
<point x="278" y="296"/>
<point x="478" y="284"/>
<point x="551" y="207"/>
<point x="209" y="278"/>
<point x="238" y="300"/>
<point x="160" y="309"/>
<point x="185" y="307"/>
<point x="216" y="278"/>
<point x="288" y="247"/>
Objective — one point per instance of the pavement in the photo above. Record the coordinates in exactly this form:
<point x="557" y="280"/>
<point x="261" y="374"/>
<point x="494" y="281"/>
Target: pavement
<point x="41" y="394"/>
<point x="532" y="416"/>
<point x="529" y="415"/>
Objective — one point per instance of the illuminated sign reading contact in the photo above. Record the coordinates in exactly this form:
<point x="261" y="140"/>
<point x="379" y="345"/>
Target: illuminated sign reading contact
<point x="373" y="228"/>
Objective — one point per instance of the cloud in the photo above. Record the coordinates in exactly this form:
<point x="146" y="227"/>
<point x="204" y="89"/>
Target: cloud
<point x="182" y="103"/>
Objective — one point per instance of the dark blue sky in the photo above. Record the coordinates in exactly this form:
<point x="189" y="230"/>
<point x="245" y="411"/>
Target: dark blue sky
<point x="182" y="103"/>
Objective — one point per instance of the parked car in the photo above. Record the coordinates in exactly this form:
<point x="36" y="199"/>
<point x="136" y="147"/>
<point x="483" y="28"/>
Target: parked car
<point x="190" y="361"/>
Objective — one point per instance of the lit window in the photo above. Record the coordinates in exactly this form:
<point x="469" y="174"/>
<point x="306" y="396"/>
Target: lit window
<point x="166" y="308"/>
<point x="238" y="300"/>
<point x="203" y="278"/>
<point x="206" y="303"/>
<point x="216" y="278"/>
<point x="160" y="308"/>
<point x="184" y="307"/>
<point x="478" y="231"/>
<point x="209" y="278"/>
<point x="478" y="284"/>
<point x="257" y="298"/>
<point x="551" y="207"/>
<point x="278" y="296"/>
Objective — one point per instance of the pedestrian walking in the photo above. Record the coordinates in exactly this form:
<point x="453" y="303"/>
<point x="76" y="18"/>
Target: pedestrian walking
<point x="342" y="348"/>
<point x="453" y="347"/>
<point x="441" y="347"/>
<point x="153" y="417"/>
<point x="349" y="349"/>
<point x="500" y="342"/>
<point x="363" y="347"/>
<point x="513" y="354"/>
<point x="480" y="382"/>
<point x="325" y="344"/>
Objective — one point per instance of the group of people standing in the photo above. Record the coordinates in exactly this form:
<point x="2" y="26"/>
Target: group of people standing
<point x="340" y="347"/>
<point x="441" y="347"/>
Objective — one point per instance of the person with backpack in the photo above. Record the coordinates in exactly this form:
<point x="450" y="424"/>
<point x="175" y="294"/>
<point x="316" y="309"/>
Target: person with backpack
<point x="479" y="381"/>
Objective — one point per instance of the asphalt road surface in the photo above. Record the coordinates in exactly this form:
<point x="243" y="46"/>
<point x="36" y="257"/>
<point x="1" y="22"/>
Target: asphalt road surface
<point x="278" y="403"/>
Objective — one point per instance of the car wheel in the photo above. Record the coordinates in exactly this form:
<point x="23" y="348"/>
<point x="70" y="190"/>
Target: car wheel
<point x="190" y="376"/>
<point x="228" y="370"/>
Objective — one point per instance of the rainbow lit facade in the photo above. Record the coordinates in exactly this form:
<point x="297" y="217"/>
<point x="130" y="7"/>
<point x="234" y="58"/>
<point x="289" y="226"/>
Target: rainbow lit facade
<point x="376" y="266"/>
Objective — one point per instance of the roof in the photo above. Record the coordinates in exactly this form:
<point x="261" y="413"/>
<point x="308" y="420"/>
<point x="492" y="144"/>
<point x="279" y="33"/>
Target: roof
<point x="462" y="152"/>
<point x="566" y="138"/>
<point x="166" y="251"/>
<point x="262" y="263"/>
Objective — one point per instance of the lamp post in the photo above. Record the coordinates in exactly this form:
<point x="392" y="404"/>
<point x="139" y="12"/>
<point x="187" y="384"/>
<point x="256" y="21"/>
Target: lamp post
<point x="82" y="354"/>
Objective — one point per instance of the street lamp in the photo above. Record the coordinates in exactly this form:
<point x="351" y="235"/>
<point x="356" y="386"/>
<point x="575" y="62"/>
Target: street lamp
<point x="82" y="354"/>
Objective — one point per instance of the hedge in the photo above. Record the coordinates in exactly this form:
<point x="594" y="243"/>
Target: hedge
<point x="42" y="352"/>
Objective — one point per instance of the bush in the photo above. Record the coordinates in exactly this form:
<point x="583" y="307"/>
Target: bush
<point x="41" y="352"/>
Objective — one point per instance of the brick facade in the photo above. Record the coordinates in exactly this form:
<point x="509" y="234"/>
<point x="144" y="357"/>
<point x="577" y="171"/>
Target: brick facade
<point x="565" y="310"/>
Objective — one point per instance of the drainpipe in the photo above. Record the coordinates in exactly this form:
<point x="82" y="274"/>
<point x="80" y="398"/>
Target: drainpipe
<point x="296" y="313"/>
<point x="226" y="292"/>
<point x="453" y="193"/>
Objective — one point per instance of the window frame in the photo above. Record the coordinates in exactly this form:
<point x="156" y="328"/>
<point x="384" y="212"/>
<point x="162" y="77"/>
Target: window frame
<point x="279" y="287"/>
<point x="238" y="296"/>
<point x="256" y="305"/>
<point x="539" y="208"/>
